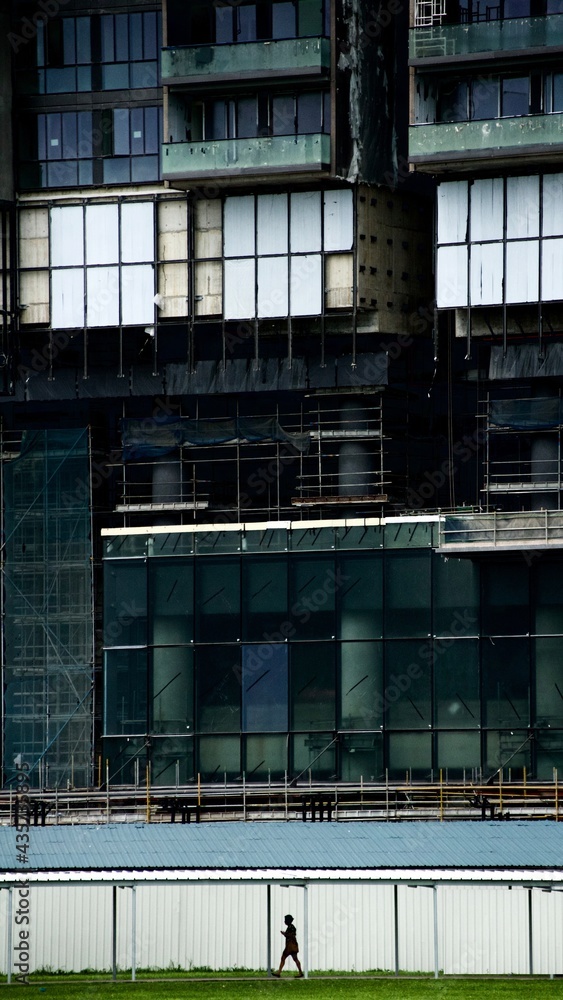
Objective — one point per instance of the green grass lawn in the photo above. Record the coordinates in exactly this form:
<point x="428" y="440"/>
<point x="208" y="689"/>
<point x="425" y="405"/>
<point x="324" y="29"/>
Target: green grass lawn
<point x="319" y="989"/>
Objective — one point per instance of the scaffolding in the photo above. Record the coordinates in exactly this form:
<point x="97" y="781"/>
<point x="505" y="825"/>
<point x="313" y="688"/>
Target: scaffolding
<point x="48" y="608"/>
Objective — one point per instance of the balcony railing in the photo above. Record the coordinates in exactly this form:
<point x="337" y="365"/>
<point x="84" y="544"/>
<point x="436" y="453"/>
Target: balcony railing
<point x="461" y="40"/>
<point x="459" y="140"/>
<point x="228" y="157"/>
<point x="490" y="532"/>
<point x="246" y="60"/>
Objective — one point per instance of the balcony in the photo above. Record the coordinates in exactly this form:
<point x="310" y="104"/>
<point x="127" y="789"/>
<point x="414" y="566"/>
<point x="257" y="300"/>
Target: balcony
<point x="231" y="157"/>
<point x="453" y="142"/>
<point x="486" y="40"/>
<point x="522" y="530"/>
<point x="246" y="61"/>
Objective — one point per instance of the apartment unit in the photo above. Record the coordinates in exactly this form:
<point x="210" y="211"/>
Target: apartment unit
<point x="231" y="411"/>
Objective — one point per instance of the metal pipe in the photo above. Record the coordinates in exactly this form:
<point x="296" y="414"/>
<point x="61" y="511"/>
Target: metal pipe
<point x="269" y="931"/>
<point x="133" y="933"/>
<point x="114" y="932"/>
<point x="396" y="925"/>
<point x="435" y="908"/>
<point x="306" y="931"/>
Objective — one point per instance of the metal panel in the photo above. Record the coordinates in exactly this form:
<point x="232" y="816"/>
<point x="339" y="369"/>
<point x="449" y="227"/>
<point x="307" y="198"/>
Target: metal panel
<point x="67" y="236"/>
<point x="239" y="240"/>
<point x="137" y="232"/>
<point x="451" y="277"/>
<point x="453" y="201"/>
<point x="102" y="234"/>
<point x="487" y="209"/>
<point x="484" y="931"/>
<point x="137" y="294"/>
<point x="522" y="275"/>
<point x="338" y="220"/>
<point x="272" y="234"/>
<point x="552" y="206"/>
<point x="239" y="294"/>
<point x="486" y="274"/>
<point x="339" y="280"/>
<point x="102" y="296"/>
<point x="552" y="269"/>
<point x="67" y="298"/>
<point x="522" y="207"/>
<point x="305" y="222"/>
<point x="306" y="285"/>
<point x="273" y="292"/>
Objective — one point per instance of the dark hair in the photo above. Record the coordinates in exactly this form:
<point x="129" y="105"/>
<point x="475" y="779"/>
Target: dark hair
<point x="288" y="918"/>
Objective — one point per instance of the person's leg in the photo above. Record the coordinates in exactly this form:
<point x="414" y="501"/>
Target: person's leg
<point x="281" y="965"/>
<point x="298" y="964"/>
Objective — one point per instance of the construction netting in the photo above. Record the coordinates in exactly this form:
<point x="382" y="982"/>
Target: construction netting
<point x="48" y="654"/>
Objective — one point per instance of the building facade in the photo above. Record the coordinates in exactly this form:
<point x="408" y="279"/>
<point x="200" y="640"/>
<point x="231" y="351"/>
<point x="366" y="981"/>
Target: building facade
<point x="236" y="394"/>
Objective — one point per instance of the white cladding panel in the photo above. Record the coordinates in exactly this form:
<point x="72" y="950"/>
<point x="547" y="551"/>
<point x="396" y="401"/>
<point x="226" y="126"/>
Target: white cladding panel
<point x="452" y="212"/>
<point x="451" y="277"/>
<point x="272" y="223"/>
<point x="306" y="285"/>
<point x="522" y="271"/>
<point x="137" y="294"/>
<point x="338" y="220"/>
<point x="486" y="274"/>
<point x="238" y="226"/>
<point x="67" y="298"/>
<point x="137" y="232"/>
<point x="552" y="269"/>
<point x="273" y="299"/>
<point x="522" y="207"/>
<point x="487" y="209"/>
<point x="481" y="930"/>
<point x="102" y="296"/>
<point x="67" y="236"/>
<point x="239" y="294"/>
<point x="102" y="234"/>
<point x="305" y="222"/>
<point x="552" y="206"/>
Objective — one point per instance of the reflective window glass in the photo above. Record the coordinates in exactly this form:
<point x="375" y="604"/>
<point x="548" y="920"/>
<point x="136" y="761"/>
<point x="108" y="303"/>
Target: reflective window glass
<point x="264" y="682"/>
<point x="284" y="21"/>
<point x="310" y="13"/>
<point x="409" y="756"/>
<point x="407" y="593"/>
<point x="309" y="113"/>
<point x="510" y="750"/>
<point x="171" y="602"/>
<point x="505" y="595"/>
<point x="361" y="685"/>
<point x="265" y="611"/>
<point x="171" y="690"/>
<point x="314" y="753"/>
<point x="456" y="597"/>
<point x="458" y="753"/>
<point x="407" y="694"/>
<point x="314" y="584"/>
<point x="136" y="36"/>
<point x="506" y="682"/>
<point x="224" y="25"/>
<point x="283" y="115"/>
<point x="218" y="689"/>
<point x="484" y="98"/>
<point x="218" y="599"/>
<point x="121" y="141"/>
<point x="456" y="684"/>
<point x="515" y="96"/>
<point x="548" y="598"/>
<point x="247" y="123"/>
<point x="125" y="691"/>
<point x="172" y="760"/>
<point x="452" y="102"/>
<point x="360" y="596"/>
<point x="361" y="757"/>
<point x="265" y="757"/>
<point x="246" y="23"/>
<point x="125" y="604"/>
<point x="549" y="682"/>
<point x="219" y="758"/>
<point x="83" y="40"/>
<point x="312" y="685"/>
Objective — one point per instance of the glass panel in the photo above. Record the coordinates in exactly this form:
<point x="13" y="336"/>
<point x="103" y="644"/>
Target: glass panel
<point x="312" y="686"/>
<point x="122" y="38"/>
<point x="314" y="584"/>
<point x="408" y="694"/>
<point x="136" y="36"/>
<point x="218" y="673"/>
<point x="106" y="23"/>
<point x="246" y="23"/>
<point x="152" y="137"/>
<point x="283" y="115"/>
<point x="549" y="682"/>
<point x="509" y="750"/>
<point x="361" y="757"/>
<point x="265" y="612"/>
<point x="144" y="168"/>
<point x="219" y="758"/>
<point x="85" y="147"/>
<point x="456" y="684"/>
<point x="54" y="136"/>
<point x="515" y="98"/>
<point x="506" y="682"/>
<point x="505" y="599"/>
<point x="360" y="602"/>
<point x="361" y="684"/>
<point x="271" y="540"/>
<point x="218" y="600"/>
<point x="171" y="708"/>
<point x="264" y="688"/>
<point x="314" y="753"/>
<point x="70" y="137"/>
<point x="83" y="46"/>
<point x="117" y="171"/>
<point x="548" y="602"/>
<point x="144" y="75"/>
<point x="217" y="541"/>
<point x="410" y="756"/>
<point x="125" y="691"/>
<point x="458" y="753"/>
<point x="60" y="81"/>
<point x="284" y="21"/>
<point x="557" y="98"/>
<point x="484" y="98"/>
<point x="172" y="760"/>
<point x="549" y="755"/>
<point x="452" y="102"/>
<point x="125" y="604"/>
<point x="359" y="537"/>
<point x="247" y="122"/>
<point x="309" y="113"/>
<point x="121" y="143"/>
<point x="224" y="25"/>
<point x="312" y="539"/>
<point x="137" y="120"/>
<point x="127" y="760"/>
<point x="407" y="593"/>
<point x="265" y="758"/>
<point x="171" y="588"/>
<point x="310" y="17"/>
<point x="456" y="596"/>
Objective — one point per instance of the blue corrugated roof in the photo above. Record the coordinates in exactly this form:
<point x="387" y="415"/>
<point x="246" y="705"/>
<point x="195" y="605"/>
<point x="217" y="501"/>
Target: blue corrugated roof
<point x="279" y="845"/>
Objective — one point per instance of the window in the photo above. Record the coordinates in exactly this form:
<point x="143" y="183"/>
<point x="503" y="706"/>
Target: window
<point x="102" y="265"/>
<point x="515" y="97"/>
<point x="266" y="114"/>
<point x="275" y="249"/>
<point x="553" y="92"/>
<point x="484" y="98"/>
